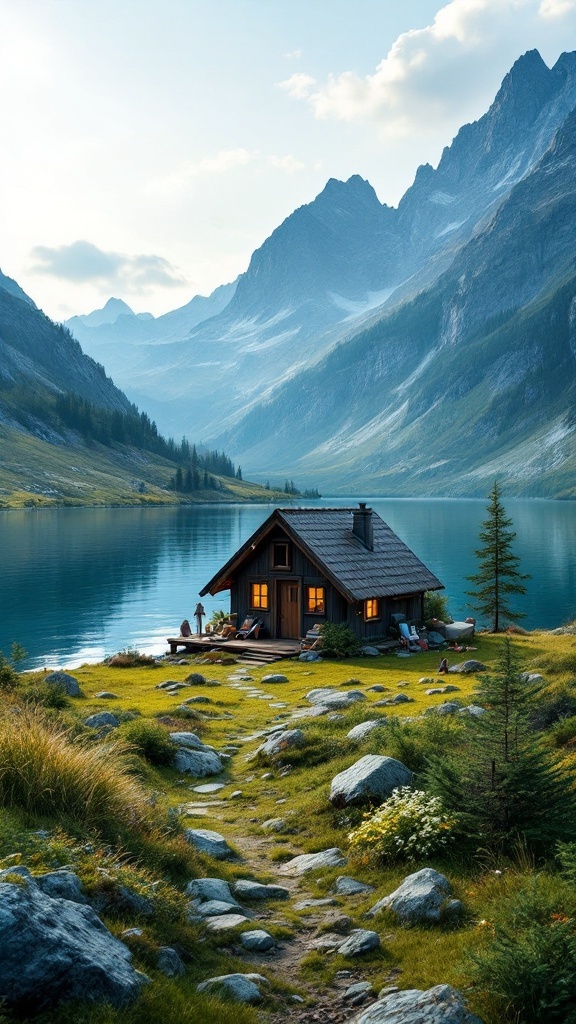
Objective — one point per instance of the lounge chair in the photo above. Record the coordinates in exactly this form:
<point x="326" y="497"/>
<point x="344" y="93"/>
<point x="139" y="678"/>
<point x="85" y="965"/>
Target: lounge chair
<point x="409" y="637"/>
<point x="313" y="639"/>
<point x="249" y="628"/>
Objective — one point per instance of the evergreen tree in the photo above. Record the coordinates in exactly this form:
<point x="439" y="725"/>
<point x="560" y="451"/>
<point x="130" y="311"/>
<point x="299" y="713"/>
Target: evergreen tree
<point x="179" y="480"/>
<point x="498" y="574"/>
<point x="502" y="780"/>
<point x="239" y="473"/>
<point x="188" y="482"/>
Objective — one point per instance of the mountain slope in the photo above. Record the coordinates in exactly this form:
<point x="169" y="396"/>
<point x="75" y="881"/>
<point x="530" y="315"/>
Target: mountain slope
<point x="476" y="377"/>
<point x="339" y="262"/>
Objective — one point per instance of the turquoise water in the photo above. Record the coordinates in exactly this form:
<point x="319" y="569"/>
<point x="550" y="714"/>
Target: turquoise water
<point x="79" y="584"/>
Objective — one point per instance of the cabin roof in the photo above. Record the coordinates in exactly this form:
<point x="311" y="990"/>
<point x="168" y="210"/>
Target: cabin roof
<point x="325" y="535"/>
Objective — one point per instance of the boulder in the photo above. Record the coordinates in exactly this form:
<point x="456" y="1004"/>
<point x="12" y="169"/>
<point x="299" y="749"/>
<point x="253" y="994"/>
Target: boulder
<point x="211" y="843"/>
<point x="61" y="884"/>
<point x="359" y="942"/>
<point x="328" y="697"/>
<point x="281" y="741"/>
<point x="274" y="825"/>
<point x="169" y="963"/>
<point x="65" y="682"/>
<point x="332" y="858"/>
<point x="197" y="762"/>
<point x="203" y="889"/>
<point x="190" y="740"/>
<point x="217" y="908"/>
<point x="106" y="695"/>
<point x="472" y="709"/>
<point x="468" y="667"/>
<point x="245" y="889"/>
<point x="274" y="678"/>
<point x="57" y="951"/>
<point x="195" y="679"/>
<point x="309" y="656"/>
<point x="439" y="1005"/>
<point x="103" y="718"/>
<point x="257" y="941"/>
<point x="369" y="780"/>
<point x="240" y="988"/>
<point x="225" y="922"/>
<point x="422" y="898"/>
<point x="359" y="732"/>
<point x="370" y="652"/>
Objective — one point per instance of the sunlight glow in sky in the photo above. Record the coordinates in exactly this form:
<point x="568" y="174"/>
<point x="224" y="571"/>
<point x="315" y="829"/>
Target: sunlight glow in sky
<point x="147" y="148"/>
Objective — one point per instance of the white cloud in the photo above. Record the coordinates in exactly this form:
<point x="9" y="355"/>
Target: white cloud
<point x="299" y="85"/>
<point x="288" y="164"/>
<point x="431" y="74"/>
<point x="189" y="171"/>
<point x="293" y="55"/>
<point x="82" y="262"/>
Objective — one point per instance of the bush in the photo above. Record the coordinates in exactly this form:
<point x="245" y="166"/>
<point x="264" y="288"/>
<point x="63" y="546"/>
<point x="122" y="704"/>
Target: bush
<point x="409" y="825"/>
<point x="436" y="606"/>
<point x="530" y="966"/>
<point x="9" y="678"/>
<point x="44" y="771"/>
<point x="151" y="741"/>
<point x="338" y="639"/>
<point x="43" y="695"/>
<point x="129" y="658"/>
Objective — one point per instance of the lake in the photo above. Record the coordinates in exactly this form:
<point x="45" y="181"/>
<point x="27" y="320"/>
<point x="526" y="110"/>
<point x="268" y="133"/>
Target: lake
<point x="79" y="584"/>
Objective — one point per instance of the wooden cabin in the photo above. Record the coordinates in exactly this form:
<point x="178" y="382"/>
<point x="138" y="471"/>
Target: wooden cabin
<point x="305" y="566"/>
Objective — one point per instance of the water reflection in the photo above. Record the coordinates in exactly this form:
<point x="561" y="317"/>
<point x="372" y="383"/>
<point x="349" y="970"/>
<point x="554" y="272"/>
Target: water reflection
<point x="77" y="584"/>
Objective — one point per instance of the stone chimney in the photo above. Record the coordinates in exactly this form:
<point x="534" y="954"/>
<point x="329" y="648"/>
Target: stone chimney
<point x="362" y="525"/>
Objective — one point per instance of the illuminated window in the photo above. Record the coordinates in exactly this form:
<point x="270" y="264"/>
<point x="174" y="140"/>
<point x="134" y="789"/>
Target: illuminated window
<point x="372" y="608"/>
<point x="259" y="596"/>
<point x="281" y="555"/>
<point x="315" y="600"/>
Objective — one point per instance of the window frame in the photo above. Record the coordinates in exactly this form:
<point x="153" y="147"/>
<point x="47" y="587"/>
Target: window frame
<point x="281" y="566"/>
<point x="260" y="585"/>
<point x="371" y="617"/>
<point x="308" y="610"/>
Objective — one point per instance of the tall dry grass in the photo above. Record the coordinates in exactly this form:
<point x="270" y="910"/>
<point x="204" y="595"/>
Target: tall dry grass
<point x="45" y="771"/>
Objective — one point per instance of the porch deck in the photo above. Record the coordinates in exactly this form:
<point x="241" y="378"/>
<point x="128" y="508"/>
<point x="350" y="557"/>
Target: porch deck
<point x="256" y="651"/>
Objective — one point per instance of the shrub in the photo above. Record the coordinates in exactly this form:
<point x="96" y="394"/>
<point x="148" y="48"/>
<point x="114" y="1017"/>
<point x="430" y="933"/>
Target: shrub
<point x="436" y="606"/>
<point x="409" y="825"/>
<point x="552" y="709"/>
<point x="530" y="966"/>
<point x="150" y="740"/>
<point x="8" y="676"/>
<point x="338" y="639"/>
<point x="44" y="771"/>
<point x="129" y="658"/>
<point x="43" y="695"/>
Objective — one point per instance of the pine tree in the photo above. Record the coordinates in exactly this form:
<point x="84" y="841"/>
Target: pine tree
<point x="502" y="780"/>
<point x="498" y="574"/>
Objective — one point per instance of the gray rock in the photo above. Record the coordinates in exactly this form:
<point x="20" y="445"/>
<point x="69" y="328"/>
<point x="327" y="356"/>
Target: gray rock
<point x="62" y="884"/>
<point x="331" y="698"/>
<point x="106" y="695"/>
<point x="421" y="898"/>
<point x="249" y="890"/>
<point x="346" y="886"/>
<point x="327" y="901"/>
<point x="190" y="740"/>
<point x="168" y="683"/>
<point x="377" y="688"/>
<point x="211" y="843"/>
<point x="449" y="707"/>
<point x="195" y="679"/>
<point x="275" y="678"/>
<point x="120" y="899"/>
<point x="359" y="942"/>
<point x="217" y="908"/>
<point x="532" y="677"/>
<point x="360" y="988"/>
<point x="257" y="941"/>
<point x="473" y="709"/>
<point x="315" y="712"/>
<point x="169" y="963"/>
<point x="468" y="667"/>
<point x="439" y="1005"/>
<point x="240" y="988"/>
<point x="370" y="652"/>
<point x="309" y="656"/>
<point x="282" y="741"/>
<point x="274" y="825"/>
<point x="332" y="858"/>
<point x="204" y="889"/>
<point x="209" y="787"/>
<point x="101" y="719"/>
<point x="65" y="682"/>
<point x="56" y="951"/>
<point x="197" y="762"/>
<point x="225" y="922"/>
<point x="369" y="780"/>
<point x="199" y="699"/>
<point x="359" y="732"/>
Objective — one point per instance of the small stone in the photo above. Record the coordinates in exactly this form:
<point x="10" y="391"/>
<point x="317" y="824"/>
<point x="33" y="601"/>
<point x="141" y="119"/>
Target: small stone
<point x="203" y="889"/>
<point x="327" y="901"/>
<point x="275" y="678"/>
<point x="257" y="941"/>
<point x="247" y="889"/>
<point x="241" y="988"/>
<point x="169" y="963"/>
<point x="360" y="987"/>
<point x="106" y="695"/>
<point x="378" y="688"/>
<point x="332" y="858"/>
<point x="235" y="795"/>
<point x="209" y="787"/>
<point x="359" y="732"/>
<point x="359" y="942"/>
<point x="209" y="842"/>
<point x="216" y="908"/>
<point x="225" y="922"/>
<point x="370" y="652"/>
<point x="195" y="679"/>
<point x="346" y="886"/>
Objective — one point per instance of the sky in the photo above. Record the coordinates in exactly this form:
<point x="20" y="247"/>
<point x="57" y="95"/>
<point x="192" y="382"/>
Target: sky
<point x="148" y="147"/>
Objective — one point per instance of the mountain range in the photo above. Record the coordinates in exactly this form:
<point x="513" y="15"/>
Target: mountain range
<point x="420" y="349"/>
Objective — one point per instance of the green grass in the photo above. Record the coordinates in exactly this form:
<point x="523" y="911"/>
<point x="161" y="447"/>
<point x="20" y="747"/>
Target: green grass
<point x="154" y="859"/>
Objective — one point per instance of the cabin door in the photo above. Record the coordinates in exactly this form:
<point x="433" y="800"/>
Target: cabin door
<point x="288" y="609"/>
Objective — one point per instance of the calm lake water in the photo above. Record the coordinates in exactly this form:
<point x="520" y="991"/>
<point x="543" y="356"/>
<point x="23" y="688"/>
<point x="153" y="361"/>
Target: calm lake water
<point x="79" y="584"/>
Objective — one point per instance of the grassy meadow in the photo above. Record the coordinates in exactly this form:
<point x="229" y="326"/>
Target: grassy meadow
<point x="111" y="808"/>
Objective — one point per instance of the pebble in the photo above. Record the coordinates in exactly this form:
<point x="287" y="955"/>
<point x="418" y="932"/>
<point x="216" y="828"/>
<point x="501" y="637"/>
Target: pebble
<point x="209" y="787"/>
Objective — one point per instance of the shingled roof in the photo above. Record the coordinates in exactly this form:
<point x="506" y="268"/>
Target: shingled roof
<point x="391" y="569"/>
